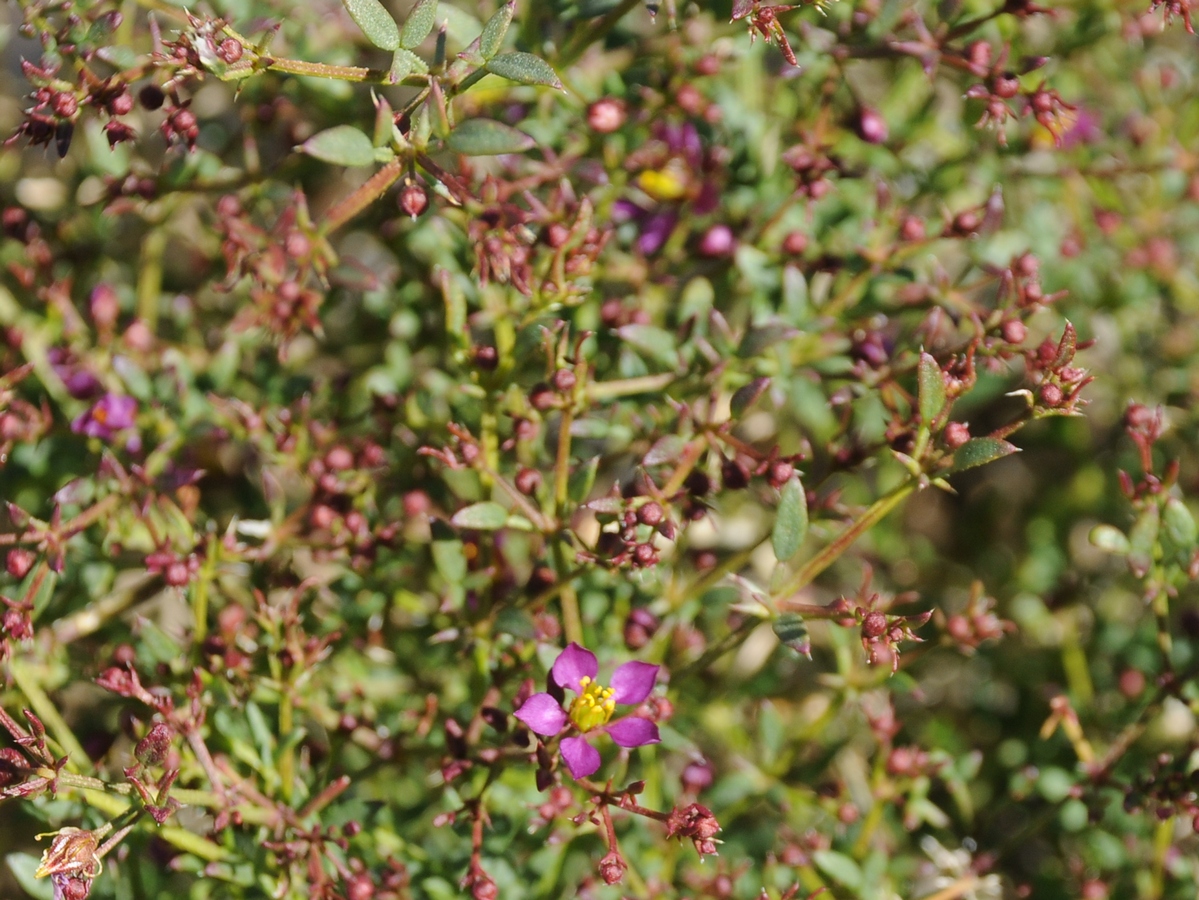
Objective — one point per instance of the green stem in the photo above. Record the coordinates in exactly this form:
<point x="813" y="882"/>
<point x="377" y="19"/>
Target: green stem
<point x="831" y="552"/>
<point x="642" y="384"/>
<point x="149" y="277"/>
<point x="572" y="619"/>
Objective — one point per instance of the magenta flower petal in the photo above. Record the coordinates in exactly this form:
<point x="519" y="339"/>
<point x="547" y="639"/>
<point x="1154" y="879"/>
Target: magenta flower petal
<point x="573" y="663"/>
<point x="632" y="731"/>
<point x="542" y="713"/>
<point x="633" y="681"/>
<point x="581" y="758"/>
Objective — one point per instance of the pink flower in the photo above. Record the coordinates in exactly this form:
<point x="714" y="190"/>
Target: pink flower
<point x="590" y="712"/>
<point x="110" y="414"/>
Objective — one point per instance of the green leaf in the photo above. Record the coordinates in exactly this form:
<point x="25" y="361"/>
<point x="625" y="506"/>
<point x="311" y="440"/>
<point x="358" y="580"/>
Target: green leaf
<point x="486" y="516"/>
<point x="524" y="68"/>
<point x="759" y="338"/>
<point x="582" y="480"/>
<point x="932" y="389"/>
<point x="418" y="24"/>
<point x="1178" y="525"/>
<point x="486" y="137"/>
<point x="657" y="343"/>
<point x="406" y="63"/>
<point x="492" y="37"/>
<point x="450" y="560"/>
<point x="664" y="450"/>
<point x="1110" y="539"/>
<point x="343" y="145"/>
<point x="980" y="451"/>
<point x="375" y="21"/>
<point x="792" y="630"/>
<point x="791" y="522"/>
<point x="22" y="866"/>
<point x="745" y="397"/>
<point x="839" y="867"/>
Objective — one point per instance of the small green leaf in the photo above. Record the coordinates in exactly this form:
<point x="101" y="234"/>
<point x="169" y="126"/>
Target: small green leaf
<point x="657" y="343"/>
<point x="791" y="522"/>
<point x="492" y="37"/>
<point x="406" y="63"/>
<point x="486" y="137"/>
<point x="375" y="21"/>
<point x="745" y="397"/>
<point x="418" y="24"/>
<point x="343" y="145"/>
<point x="524" y="68"/>
<point x="1179" y="525"/>
<point x="792" y="631"/>
<point x="486" y="516"/>
<point x="582" y="480"/>
<point x="450" y="560"/>
<point x="980" y="451"/>
<point x="23" y="866"/>
<point x="759" y="338"/>
<point x="932" y="389"/>
<point x="1110" y="539"/>
<point x="839" y="867"/>
<point x="664" y="450"/>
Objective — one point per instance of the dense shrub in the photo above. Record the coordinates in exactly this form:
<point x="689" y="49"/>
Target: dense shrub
<point x="571" y="449"/>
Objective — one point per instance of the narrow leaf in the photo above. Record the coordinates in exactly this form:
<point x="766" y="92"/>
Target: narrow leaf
<point x="418" y="24"/>
<point x="1066" y="347"/>
<point x="657" y="343"/>
<point x="486" y="137"/>
<point x="791" y="522"/>
<point x="664" y="450"/>
<point x="485" y="516"/>
<point x="980" y="451"/>
<point x="343" y="145"/>
<point x="1110" y="539"/>
<point x="582" y="480"/>
<point x="405" y="63"/>
<point x="745" y="397"/>
<point x="1179" y="525"/>
<point x="792" y="631"/>
<point x="492" y="37"/>
<point x="375" y="21"/>
<point x="759" y="338"/>
<point x="932" y="389"/>
<point x="524" y="68"/>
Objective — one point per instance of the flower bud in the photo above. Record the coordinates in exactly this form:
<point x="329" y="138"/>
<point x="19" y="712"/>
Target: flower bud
<point x="606" y="115"/>
<point x="564" y="380"/>
<point x="795" y="243"/>
<point x="527" y="481"/>
<point x="19" y="562"/>
<point x="870" y="126"/>
<point x="639" y="628"/>
<point x="612" y="867"/>
<point x="956" y="434"/>
<point x="717" y="241"/>
<point x="412" y="199"/>
<point x="152" y="749"/>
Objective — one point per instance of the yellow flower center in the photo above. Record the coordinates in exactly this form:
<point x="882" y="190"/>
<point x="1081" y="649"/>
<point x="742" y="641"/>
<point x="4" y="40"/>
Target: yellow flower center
<point x="593" y="707"/>
<point x="664" y="185"/>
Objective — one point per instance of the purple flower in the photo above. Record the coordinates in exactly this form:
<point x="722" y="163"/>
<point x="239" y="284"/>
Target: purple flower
<point x="110" y="414"/>
<point x="591" y="711"/>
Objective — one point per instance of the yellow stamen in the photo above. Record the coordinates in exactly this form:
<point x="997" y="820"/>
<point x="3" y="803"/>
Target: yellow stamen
<point x="593" y="707"/>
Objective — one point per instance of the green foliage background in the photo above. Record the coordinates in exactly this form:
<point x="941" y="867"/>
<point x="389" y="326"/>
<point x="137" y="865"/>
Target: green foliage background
<point x="422" y="629"/>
